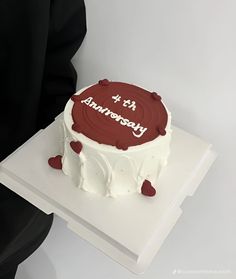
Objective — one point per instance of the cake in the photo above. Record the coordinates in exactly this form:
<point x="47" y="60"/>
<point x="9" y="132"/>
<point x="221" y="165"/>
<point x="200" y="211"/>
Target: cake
<point x="116" y="139"/>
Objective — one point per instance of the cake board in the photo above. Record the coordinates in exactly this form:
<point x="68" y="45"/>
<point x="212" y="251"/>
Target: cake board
<point x="130" y="229"/>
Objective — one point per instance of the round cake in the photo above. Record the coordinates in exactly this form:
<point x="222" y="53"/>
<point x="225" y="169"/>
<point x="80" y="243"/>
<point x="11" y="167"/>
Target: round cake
<point x="116" y="139"/>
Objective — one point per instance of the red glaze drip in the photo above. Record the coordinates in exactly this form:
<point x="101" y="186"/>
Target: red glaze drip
<point x="108" y="120"/>
<point x="55" y="162"/>
<point x="76" y="146"/>
<point x="147" y="189"/>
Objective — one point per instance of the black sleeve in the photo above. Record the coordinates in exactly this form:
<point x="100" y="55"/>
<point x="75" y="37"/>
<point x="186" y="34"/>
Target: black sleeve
<point x="66" y="33"/>
<point x="37" y="41"/>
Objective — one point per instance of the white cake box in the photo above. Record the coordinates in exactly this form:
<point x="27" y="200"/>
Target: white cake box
<point x="130" y="229"/>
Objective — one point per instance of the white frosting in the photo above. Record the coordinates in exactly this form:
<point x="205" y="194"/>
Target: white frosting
<point x="108" y="171"/>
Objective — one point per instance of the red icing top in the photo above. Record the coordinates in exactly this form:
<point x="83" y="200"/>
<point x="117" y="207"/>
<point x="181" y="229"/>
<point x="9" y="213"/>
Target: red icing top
<point x="119" y="114"/>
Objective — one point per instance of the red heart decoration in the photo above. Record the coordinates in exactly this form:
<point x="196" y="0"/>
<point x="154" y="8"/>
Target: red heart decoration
<point x="76" y="146"/>
<point x="120" y="145"/>
<point x="76" y="127"/>
<point x="55" y="162"/>
<point x="162" y="131"/>
<point x="104" y="82"/>
<point x="147" y="189"/>
<point x="155" y="96"/>
<point x="75" y="98"/>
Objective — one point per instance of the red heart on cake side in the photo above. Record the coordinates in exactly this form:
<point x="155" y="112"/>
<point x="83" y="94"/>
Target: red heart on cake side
<point x="55" y="162"/>
<point x="147" y="189"/>
<point x="76" y="146"/>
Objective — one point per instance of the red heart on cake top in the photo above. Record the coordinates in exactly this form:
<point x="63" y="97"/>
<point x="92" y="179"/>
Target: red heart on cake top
<point x="75" y="98"/>
<point x="161" y="131"/>
<point x="121" y="145"/>
<point x="76" y="146"/>
<point x="55" y="162"/>
<point x="155" y="96"/>
<point x="76" y="127"/>
<point x="104" y="82"/>
<point x="147" y="189"/>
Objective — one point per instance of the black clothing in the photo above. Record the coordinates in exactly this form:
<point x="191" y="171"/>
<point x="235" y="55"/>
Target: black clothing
<point x="23" y="229"/>
<point x="37" y="41"/>
<point x="10" y="274"/>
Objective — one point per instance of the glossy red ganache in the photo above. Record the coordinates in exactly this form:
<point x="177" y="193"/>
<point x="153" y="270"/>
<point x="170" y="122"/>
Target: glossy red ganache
<point x="119" y="114"/>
